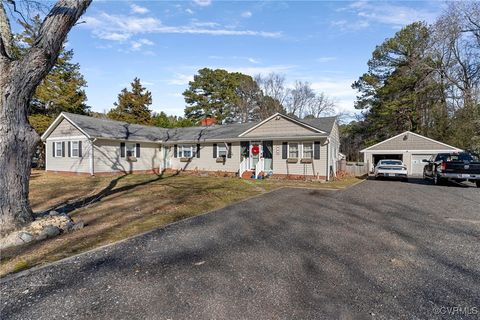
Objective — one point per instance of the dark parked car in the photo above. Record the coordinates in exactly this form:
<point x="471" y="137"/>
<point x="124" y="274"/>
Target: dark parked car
<point x="456" y="166"/>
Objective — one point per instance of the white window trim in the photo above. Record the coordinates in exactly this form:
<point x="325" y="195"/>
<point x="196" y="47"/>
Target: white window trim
<point x="313" y="150"/>
<point x="218" y="150"/>
<point x="182" y="147"/>
<point x="71" y="149"/>
<point x="134" y="149"/>
<point x="298" y="150"/>
<point x="56" y="149"/>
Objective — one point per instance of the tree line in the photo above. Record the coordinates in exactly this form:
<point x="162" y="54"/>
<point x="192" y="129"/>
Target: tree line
<point x="424" y="79"/>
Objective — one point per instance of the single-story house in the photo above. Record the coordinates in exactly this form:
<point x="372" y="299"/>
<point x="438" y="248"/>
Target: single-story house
<point x="279" y="145"/>
<point x="412" y="148"/>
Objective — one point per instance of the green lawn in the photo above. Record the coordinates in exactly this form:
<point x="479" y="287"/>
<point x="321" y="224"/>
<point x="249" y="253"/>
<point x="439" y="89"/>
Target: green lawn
<point x="115" y="208"/>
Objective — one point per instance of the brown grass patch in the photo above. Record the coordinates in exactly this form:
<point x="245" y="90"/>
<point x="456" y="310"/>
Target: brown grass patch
<point x="114" y="208"/>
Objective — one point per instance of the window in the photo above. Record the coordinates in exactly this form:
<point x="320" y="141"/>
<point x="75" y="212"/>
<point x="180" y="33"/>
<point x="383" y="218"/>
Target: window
<point x="75" y="149"/>
<point x="293" y="150"/>
<point x="221" y="151"/>
<point x="58" y="149"/>
<point x="130" y="148"/>
<point x="186" y="151"/>
<point x="307" y="150"/>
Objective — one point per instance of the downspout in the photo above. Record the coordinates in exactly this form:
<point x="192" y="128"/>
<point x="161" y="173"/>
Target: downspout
<point x="92" y="157"/>
<point x="328" y="159"/>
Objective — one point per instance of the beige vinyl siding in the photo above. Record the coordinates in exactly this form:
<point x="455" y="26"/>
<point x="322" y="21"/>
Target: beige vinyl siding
<point x="410" y="142"/>
<point x="280" y="127"/>
<point x="207" y="162"/>
<point x="108" y="159"/>
<point x="317" y="167"/>
<point x="65" y="129"/>
<point x="68" y="164"/>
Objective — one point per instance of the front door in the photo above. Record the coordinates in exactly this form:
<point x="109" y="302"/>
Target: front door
<point x="255" y="153"/>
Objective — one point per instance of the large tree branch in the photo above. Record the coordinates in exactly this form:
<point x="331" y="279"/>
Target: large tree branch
<point x="6" y="38"/>
<point x="53" y="32"/>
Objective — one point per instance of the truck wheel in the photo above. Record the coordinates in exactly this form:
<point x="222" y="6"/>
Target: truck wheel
<point x="437" y="180"/>
<point x="478" y="183"/>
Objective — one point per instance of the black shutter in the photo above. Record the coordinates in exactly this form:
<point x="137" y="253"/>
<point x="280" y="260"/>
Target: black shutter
<point x="137" y="151"/>
<point x="68" y="152"/>
<point x="122" y="149"/>
<point x="63" y="148"/>
<point x="316" y="150"/>
<point x="229" y="152"/>
<point x="198" y="151"/>
<point x="284" y="150"/>
<point x="214" y="150"/>
<point x="80" y="148"/>
<point x="175" y="150"/>
<point x="53" y="149"/>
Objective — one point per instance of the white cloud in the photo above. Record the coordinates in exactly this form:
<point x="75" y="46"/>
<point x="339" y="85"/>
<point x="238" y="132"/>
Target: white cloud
<point x="203" y="3"/>
<point x="189" y="11"/>
<point x="123" y="27"/>
<point x="252" y="60"/>
<point x="180" y="79"/>
<point x="339" y="89"/>
<point x="138" y="44"/>
<point x="246" y="14"/>
<point x="326" y="59"/>
<point x="138" y="9"/>
<point x="395" y="15"/>
<point x="345" y="25"/>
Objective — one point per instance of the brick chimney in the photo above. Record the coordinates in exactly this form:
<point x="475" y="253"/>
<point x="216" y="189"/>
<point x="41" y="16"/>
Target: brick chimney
<point x="209" y="121"/>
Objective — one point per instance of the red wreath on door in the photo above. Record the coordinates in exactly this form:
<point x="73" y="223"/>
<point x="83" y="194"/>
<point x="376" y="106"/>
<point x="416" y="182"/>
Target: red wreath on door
<point x="255" y="149"/>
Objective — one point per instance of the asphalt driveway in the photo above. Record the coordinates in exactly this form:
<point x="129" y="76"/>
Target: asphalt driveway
<point x="378" y="250"/>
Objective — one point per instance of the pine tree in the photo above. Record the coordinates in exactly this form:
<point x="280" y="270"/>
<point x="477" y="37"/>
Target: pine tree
<point x="132" y="106"/>
<point x="220" y="94"/>
<point x="399" y="85"/>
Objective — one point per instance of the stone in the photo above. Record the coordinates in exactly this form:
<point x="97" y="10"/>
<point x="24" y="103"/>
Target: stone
<point x="79" y="225"/>
<point x="25" y="237"/>
<point x="68" y="226"/>
<point x="53" y="213"/>
<point x="49" y="231"/>
<point x="11" y="240"/>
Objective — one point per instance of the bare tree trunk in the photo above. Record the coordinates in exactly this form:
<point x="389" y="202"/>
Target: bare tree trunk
<point x="18" y="81"/>
<point x="18" y="141"/>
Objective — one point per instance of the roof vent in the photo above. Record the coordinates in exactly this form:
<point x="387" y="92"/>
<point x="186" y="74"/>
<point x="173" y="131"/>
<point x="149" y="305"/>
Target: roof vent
<point x="405" y="137"/>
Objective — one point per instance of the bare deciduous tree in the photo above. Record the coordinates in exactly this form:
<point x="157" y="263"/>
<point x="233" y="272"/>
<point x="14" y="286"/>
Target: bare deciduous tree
<point x="320" y="106"/>
<point x="18" y="81"/>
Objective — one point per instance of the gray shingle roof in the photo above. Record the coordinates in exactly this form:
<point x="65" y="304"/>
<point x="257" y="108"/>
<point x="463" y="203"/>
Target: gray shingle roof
<point x="110" y="129"/>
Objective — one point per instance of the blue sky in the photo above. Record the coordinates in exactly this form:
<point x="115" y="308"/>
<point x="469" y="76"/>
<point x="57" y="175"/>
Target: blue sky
<point x="164" y="43"/>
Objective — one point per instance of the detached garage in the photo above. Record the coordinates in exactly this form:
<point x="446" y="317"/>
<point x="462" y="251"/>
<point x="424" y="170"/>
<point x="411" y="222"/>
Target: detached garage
<point x="409" y="147"/>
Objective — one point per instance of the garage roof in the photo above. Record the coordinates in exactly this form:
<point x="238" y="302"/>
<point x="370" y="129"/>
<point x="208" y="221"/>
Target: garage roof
<point x="407" y="141"/>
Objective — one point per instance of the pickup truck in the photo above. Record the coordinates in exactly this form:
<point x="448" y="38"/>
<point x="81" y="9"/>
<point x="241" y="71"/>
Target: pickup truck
<point x="456" y="166"/>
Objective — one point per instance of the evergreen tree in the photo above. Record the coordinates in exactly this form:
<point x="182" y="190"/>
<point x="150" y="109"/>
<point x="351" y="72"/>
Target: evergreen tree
<point x="217" y="93"/>
<point x="162" y="120"/>
<point x="132" y="106"/>
<point x="398" y="85"/>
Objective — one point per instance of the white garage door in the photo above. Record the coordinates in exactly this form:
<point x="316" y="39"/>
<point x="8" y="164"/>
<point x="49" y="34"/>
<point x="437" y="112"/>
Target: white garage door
<point x="418" y="164"/>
